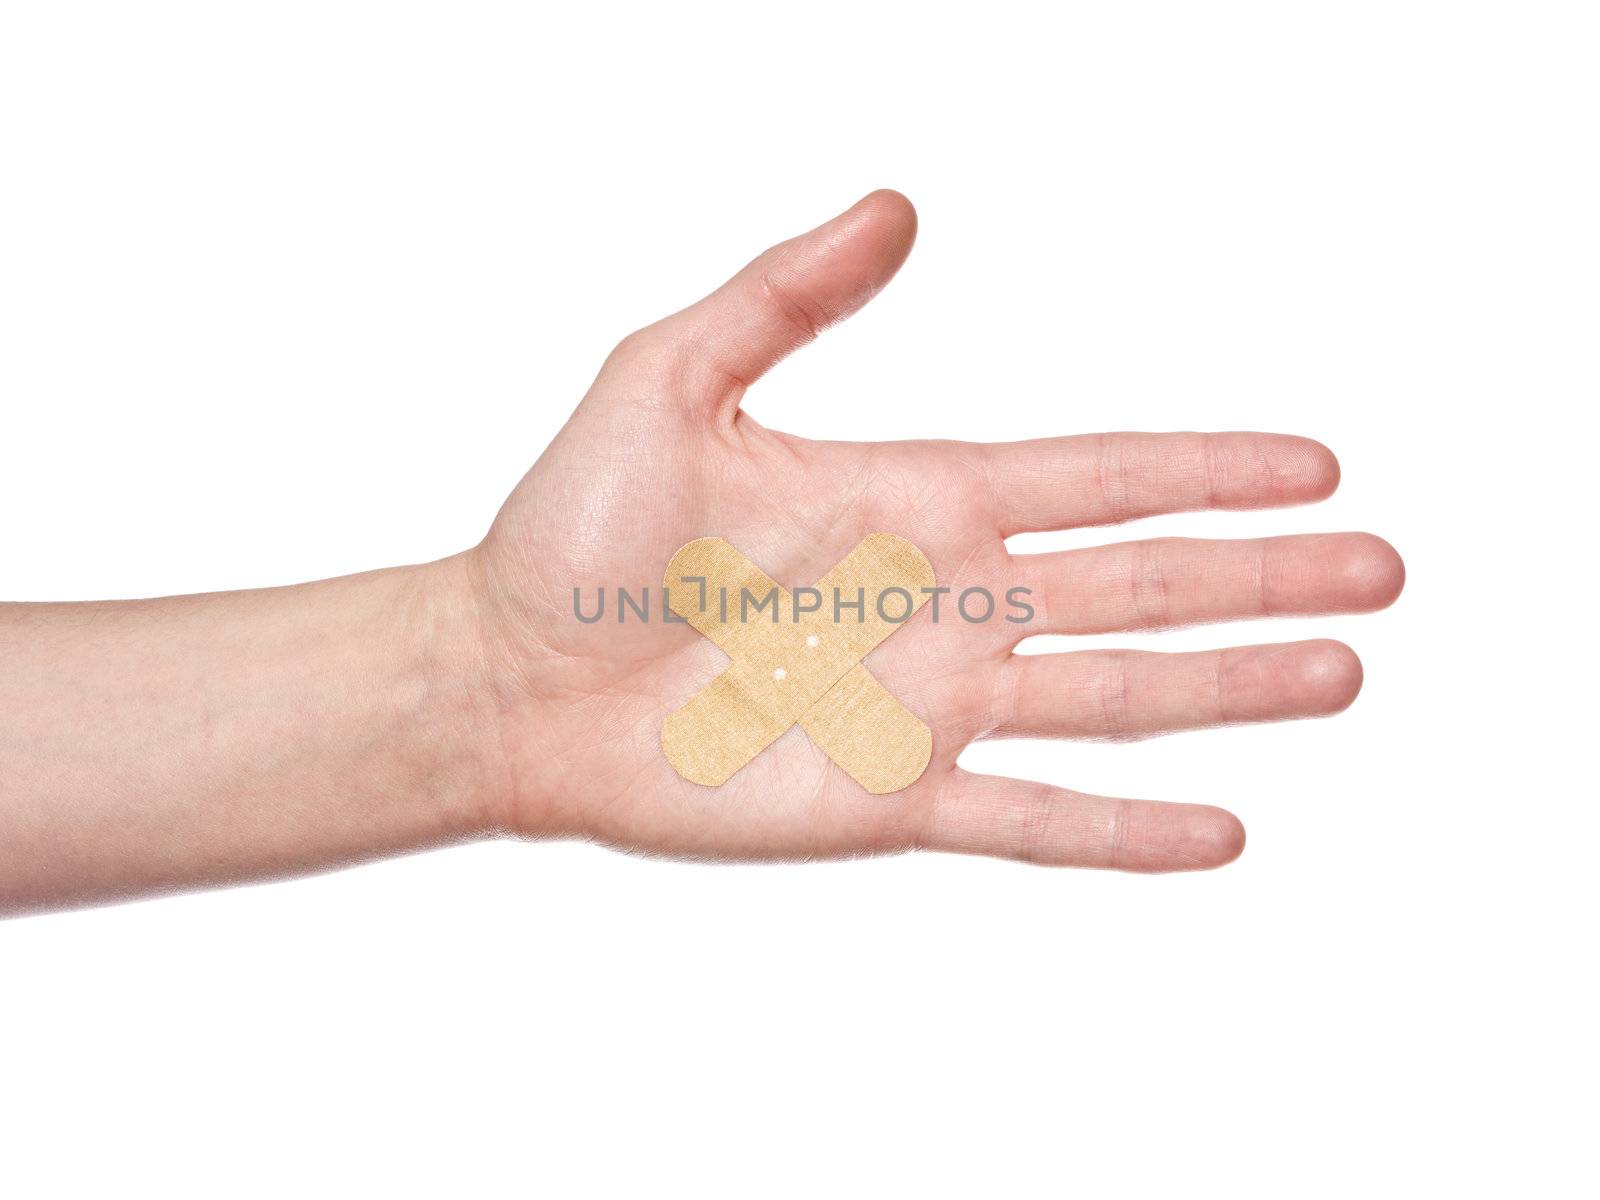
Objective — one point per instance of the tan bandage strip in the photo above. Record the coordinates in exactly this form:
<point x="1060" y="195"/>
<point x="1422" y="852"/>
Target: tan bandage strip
<point x="804" y="671"/>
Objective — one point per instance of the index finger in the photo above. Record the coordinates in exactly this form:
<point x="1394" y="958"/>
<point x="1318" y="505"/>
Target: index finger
<point x="1108" y="478"/>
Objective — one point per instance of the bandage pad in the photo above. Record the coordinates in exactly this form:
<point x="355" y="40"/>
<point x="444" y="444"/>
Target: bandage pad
<point x="804" y="671"/>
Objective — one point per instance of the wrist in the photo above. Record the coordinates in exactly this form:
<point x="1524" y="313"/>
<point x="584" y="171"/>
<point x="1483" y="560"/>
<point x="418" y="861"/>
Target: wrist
<point x="515" y="676"/>
<point x="447" y="675"/>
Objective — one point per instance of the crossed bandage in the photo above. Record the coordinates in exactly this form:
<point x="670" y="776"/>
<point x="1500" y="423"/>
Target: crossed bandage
<point x="807" y="671"/>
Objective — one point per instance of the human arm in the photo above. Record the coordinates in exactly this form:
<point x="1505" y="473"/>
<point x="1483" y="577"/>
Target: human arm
<point x="197" y="740"/>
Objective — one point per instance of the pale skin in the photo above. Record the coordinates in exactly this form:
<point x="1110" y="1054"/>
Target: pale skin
<point x="158" y="745"/>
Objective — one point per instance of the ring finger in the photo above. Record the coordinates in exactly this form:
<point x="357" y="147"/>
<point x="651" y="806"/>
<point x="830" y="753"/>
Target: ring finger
<point x="1124" y="694"/>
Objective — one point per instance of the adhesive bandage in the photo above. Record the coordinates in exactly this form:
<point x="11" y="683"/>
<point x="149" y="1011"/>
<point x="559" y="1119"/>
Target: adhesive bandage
<point x="803" y="670"/>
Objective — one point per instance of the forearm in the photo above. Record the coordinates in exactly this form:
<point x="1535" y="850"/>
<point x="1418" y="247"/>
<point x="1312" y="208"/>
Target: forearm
<point x="160" y="744"/>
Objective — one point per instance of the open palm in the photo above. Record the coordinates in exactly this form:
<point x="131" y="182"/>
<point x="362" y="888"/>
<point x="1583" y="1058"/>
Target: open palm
<point x="659" y="454"/>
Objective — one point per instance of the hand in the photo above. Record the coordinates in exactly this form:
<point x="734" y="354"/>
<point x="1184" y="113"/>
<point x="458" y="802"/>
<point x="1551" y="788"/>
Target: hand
<point x="659" y="453"/>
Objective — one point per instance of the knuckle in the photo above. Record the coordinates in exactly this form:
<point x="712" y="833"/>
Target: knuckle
<point x="1117" y="836"/>
<point x="1112" y="478"/>
<point x="1149" y="591"/>
<point x="1112" y="681"/>
<point x="1037" y="815"/>
<point x="804" y="316"/>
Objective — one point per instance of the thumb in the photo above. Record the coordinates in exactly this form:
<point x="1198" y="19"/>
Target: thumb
<point x="784" y="298"/>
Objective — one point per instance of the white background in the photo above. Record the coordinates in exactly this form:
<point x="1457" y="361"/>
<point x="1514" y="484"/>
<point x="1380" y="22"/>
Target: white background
<point x="289" y="291"/>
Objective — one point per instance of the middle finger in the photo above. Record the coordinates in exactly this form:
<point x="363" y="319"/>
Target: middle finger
<point x="1166" y="582"/>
